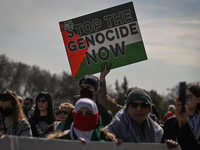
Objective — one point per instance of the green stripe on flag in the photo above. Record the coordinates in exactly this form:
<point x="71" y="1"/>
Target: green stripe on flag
<point x="134" y="53"/>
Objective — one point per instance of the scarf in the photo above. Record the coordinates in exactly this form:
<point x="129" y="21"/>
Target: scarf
<point x="123" y="127"/>
<point x="95" y="133"/>
<point x="87" y="135"/>
<point x="11" y="130"/>
<point x="85" y="123"/>
<point x="195" y="124"/>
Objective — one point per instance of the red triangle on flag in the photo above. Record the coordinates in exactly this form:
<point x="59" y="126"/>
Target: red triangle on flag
<point x="75" y="58"/>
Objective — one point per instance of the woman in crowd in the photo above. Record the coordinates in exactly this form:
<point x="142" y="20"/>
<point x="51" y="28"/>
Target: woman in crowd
<point x="192" y="101"/>
<point x="55" y="115"/>
<point x="86" y="125"/>
<point x="12" y="118"/>
<point x="43" y="114"/>
<point x="154" y="114"/>
<point x="62" y="114"/>
<point x="185" y="136"/>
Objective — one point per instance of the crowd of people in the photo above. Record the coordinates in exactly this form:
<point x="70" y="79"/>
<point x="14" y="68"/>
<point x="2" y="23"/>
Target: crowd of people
<point x="97" y="117"/>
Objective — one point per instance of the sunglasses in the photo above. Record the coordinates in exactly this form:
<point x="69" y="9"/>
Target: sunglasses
<point x="26" y="104"/>
<point x="43" y="101"/>
<point x="142" y="105"/>
<point x="60" y="112"/>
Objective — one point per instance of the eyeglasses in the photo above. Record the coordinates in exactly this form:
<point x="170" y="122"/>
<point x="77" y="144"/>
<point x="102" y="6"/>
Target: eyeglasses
<point x="188" y="97"/>
<point x="142" y="105"/>
<point x="60" y="112"/>
<point x="43" y="101"/>
<point x="26" y="104"/>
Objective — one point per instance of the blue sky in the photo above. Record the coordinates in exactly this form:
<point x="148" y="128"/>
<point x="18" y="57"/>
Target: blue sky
<point x="170" y="31"/>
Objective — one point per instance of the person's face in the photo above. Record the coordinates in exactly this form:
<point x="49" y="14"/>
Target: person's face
<point x="84" y="111"/>
<point x="42" y="104"/>
<point x="91" y="88"/>
<point x="6" y="104"/>
<point x="62" y="116"/>
<point x="138" y="114"/>
<point x="191" y="100"/>
<point x="27" y="104"/>
<point x="171" y="109"/>
<point x="87" y="86"/>
<point x="55" y="111"/>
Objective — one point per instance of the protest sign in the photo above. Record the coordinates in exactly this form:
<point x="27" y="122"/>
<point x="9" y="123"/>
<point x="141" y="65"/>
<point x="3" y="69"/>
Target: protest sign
<point x="9" y="142"/>
<point x="110" y="36"/>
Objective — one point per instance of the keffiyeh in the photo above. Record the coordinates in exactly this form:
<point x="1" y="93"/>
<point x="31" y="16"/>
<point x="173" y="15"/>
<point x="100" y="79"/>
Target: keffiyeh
<point x="123" y="127"/>
<point x="195" y="124"/>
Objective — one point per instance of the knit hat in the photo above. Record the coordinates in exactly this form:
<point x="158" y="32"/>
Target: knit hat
<point x="139" y="94"/>
<point x="90" y="79"/>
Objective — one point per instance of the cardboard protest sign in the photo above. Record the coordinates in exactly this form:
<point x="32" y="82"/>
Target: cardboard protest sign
<point x="110" y="36"/>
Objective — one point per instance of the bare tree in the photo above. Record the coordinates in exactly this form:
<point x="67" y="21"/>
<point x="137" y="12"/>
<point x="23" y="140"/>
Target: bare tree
<point x="68" y="87"/>
<point x="37" y="81"/>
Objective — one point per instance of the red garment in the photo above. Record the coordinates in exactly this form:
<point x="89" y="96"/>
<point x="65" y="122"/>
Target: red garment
<point x="169" y="114"/>
<point x="85" y="123"/>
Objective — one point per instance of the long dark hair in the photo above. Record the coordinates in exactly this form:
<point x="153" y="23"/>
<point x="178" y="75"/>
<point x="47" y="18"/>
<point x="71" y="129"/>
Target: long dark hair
<point x="155" y="111"/>
<point x="36" y="113"/>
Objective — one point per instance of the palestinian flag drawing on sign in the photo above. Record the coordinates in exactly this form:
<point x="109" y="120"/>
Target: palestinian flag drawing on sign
<point x="110" y="36"/>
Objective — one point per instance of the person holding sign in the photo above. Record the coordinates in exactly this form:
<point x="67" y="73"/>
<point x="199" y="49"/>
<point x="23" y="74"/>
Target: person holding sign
<point x="12" y="119"/>
<point x="192" y="100"/>
<point x="104" y="98"/>
<point x="90" y="88"/>
<point x="132" y="123"/>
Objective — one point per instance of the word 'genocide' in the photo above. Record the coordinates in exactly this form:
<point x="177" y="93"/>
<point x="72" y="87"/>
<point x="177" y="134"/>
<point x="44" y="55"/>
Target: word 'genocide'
<point x="110" y="35"/>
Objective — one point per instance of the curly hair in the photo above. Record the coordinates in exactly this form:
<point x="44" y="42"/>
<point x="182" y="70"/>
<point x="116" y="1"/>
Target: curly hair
<point x="18" y="113"/>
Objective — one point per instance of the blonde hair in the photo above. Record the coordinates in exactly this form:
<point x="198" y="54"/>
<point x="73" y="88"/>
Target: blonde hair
<point x="54" y="135"/>
<point x="66" y="105"/>
<point x="108" y="134"/>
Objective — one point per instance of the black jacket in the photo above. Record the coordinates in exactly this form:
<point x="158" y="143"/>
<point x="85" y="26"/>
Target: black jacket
<point x="186" y="138"/>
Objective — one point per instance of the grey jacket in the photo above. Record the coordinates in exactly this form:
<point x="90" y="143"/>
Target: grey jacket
<point x="23" y="128"/>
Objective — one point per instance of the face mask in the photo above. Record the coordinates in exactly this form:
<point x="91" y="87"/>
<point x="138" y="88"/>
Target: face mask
<point x="86" y="93"/>
<point x="85" y="123"/>
<point x="6" y="112"/>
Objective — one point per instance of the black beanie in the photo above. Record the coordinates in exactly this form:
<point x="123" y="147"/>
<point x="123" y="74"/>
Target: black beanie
<point x="90" y="79"/>
<point x="139" y="94"/>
